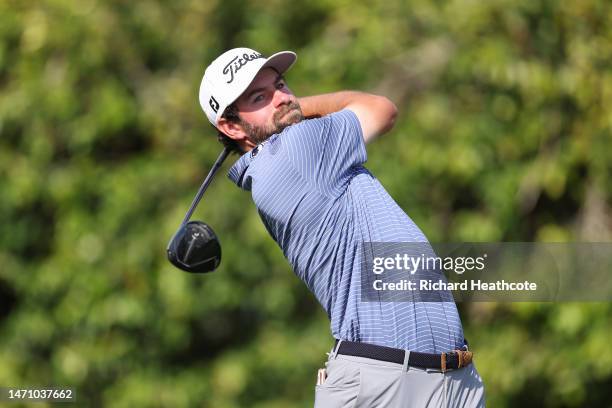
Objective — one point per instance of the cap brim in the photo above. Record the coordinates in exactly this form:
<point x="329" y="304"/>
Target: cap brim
<point x="281" y="61"/>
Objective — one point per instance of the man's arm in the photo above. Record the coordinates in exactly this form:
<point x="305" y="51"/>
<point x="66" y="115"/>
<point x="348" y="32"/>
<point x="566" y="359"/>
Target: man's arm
<point x="376" y="114"/>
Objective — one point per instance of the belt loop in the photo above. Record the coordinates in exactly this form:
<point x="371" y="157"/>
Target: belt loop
<point x="335" y="352"/>
<point x="443" y="362"/>
<point x="406" y="360"/>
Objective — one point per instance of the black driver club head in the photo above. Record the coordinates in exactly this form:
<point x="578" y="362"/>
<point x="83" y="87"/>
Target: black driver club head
<point x="195" y="248"/>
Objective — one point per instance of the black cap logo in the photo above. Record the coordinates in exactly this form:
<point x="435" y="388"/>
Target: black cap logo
<point x="213" y="104"/>
<point x="238" y="62"/>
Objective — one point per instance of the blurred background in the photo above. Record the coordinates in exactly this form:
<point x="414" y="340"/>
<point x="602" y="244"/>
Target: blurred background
<point x="504" y="134"/>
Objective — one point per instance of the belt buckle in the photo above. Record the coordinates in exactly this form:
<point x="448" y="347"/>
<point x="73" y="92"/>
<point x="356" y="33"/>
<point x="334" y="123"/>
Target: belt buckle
<point x="464" y="358"/>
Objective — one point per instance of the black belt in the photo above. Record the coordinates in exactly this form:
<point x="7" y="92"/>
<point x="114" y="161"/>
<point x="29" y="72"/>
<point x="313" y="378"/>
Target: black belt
<point x="445" y="361"/>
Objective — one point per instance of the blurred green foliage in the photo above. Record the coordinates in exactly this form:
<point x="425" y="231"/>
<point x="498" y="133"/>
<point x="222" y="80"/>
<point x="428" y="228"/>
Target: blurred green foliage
<point x="504" y="135"/>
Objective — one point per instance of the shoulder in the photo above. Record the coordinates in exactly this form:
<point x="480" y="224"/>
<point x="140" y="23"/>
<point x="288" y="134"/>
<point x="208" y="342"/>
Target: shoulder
<point x="310" y="130"/>
<point x="336" y="118"/>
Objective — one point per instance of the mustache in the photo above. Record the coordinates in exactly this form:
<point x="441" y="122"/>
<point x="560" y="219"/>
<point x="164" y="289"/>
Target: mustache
<point x="293" y="105"/>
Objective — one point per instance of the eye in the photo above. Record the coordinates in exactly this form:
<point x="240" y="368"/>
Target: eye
<point x="258" y="98"/>
<point x="280" y="84"/>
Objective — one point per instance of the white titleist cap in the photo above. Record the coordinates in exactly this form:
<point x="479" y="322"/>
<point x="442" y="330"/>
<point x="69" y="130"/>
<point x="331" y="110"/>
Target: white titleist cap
<point x="227" y="77"/>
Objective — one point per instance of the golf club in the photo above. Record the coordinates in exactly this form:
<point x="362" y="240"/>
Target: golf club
<point x="195" y="247"/>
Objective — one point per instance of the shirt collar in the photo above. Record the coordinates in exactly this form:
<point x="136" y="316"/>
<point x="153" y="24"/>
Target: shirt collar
<point x="237" y="171"/>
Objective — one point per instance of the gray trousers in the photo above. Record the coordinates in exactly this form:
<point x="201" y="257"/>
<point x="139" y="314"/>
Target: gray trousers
<point x="354" y="382"/>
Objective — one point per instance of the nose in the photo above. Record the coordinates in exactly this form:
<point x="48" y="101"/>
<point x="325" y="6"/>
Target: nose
<point x="281" y="97"/>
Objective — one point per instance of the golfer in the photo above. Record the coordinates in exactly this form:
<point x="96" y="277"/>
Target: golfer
<point x="302" y="159"/>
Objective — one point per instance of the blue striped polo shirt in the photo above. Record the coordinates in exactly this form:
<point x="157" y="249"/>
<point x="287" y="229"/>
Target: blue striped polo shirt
<point x="320" y="203"/>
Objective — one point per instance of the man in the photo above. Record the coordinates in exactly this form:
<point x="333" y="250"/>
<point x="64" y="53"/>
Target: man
<point x="303" y="164"/>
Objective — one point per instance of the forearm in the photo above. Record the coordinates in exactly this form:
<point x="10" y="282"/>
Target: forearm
<point x="376" y="114"/>
<point x="324" y="104"/>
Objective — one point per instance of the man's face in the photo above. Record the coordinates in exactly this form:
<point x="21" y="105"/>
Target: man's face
<point x="267" y="106"/>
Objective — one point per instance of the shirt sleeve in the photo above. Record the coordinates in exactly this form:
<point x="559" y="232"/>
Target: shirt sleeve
<point x="327" y="151"/>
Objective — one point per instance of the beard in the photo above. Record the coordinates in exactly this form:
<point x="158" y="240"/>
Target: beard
<point x="289" y="115"/>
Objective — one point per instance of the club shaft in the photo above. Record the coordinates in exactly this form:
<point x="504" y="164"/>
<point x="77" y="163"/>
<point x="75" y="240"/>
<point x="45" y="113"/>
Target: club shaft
<point x="206" y="183"/>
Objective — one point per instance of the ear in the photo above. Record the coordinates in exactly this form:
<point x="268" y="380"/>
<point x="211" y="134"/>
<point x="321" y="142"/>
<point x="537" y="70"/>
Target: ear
<point x="232" y="130"/>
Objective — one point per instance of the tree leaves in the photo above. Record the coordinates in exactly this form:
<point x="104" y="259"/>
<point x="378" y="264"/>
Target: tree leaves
<point x="503" y="134"/>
